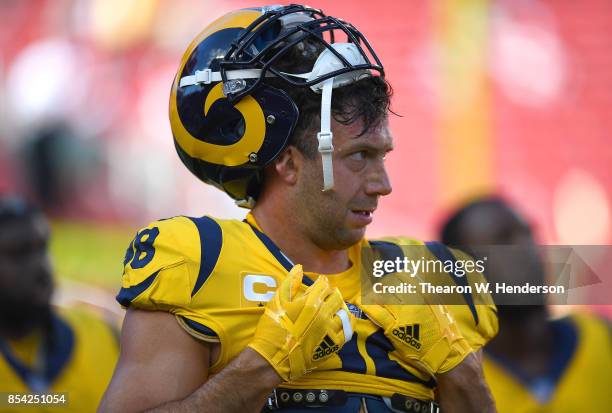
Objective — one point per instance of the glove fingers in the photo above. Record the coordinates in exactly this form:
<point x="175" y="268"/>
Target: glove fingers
<point x="335" y="308"/>
<point x="343" y="325"/>
<point x="378" y="314"/>
<point x="321" y="283"/>
<point x="313" y="301"/>
<point x="317" y="293"/>
<point x="338" y="336"/>
<point x="290" y="286"/>
<point x="294" y="324"/>
<point x="334" y="301"/>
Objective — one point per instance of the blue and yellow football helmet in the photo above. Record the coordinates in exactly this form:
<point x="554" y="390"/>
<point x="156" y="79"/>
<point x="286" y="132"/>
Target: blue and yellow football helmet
<point x="228" y="121"/>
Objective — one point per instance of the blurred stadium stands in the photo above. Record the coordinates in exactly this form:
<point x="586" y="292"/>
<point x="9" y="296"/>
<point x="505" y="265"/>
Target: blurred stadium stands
<point x="504" y="96"/>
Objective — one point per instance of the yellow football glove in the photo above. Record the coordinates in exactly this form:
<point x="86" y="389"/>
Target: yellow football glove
<point x="299" y="329"/>
<point x="422" y="335"/>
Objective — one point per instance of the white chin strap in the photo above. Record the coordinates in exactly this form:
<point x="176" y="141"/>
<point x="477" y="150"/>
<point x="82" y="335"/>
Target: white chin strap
<point x="327" y="62"/>
<point x="325" y="135"/>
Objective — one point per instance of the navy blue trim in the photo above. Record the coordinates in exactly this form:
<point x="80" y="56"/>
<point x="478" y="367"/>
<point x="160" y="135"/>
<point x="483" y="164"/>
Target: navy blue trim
<point x="145" y="247"/>
<point x="442" y="252"/>
<point x="211" y="240"/>
<point x="129" y="252"/>
<point x="127" y="295"/>
<point x="276" y="252"/>
<point x="271" y="246"/>
<point x="351" y="359"/>
<point x="58" y="349"/>
<point x="388" y="251"/>
<point x="21" y="369"/>
<point x="565" y="343"/>
<point x="200" y="328"/>
<point x="378" y="348"/>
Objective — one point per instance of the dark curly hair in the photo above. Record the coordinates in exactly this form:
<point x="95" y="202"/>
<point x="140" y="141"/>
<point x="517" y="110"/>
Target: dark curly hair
<point x="367" y="100"/>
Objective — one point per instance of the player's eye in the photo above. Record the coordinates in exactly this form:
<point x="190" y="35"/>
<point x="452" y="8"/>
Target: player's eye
<point x="358" y="156"/>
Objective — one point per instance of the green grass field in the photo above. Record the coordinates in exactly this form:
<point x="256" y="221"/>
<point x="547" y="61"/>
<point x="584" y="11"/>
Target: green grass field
<point x="89" y="253"/>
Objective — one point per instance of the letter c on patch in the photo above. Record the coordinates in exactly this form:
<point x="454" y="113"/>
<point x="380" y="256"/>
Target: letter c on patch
<point x="248" y="287"/>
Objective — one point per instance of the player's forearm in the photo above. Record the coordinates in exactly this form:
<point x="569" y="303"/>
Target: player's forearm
<point x="241" y="387"/>
<point x="475" y="400"/>
<point x="464" y="389"/>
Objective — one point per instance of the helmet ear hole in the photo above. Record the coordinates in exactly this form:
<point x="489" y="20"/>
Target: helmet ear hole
<point x="239" y="128"/>
<point x="230" y="131"/>
<point x="219" y="126"/>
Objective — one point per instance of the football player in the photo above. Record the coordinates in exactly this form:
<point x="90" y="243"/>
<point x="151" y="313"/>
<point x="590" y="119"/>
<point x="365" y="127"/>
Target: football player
<point x="265" y="313"/>
<point x="43" y="348"/>
<point x="535" y="364"/>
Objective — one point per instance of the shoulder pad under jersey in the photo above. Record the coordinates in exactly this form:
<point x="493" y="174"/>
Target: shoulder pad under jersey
<point x="162" y="263"/>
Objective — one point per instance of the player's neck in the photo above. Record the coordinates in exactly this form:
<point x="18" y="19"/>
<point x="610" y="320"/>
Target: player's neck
<point x="281" y="226"/>
<point x="19" y="325"/>
<point x="11" y="332"/>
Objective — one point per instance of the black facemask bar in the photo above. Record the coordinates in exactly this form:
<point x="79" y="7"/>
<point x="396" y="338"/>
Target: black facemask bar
<point x="311" y="29"/>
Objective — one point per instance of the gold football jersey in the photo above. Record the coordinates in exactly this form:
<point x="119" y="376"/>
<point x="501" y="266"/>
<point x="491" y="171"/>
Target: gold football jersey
<point x="79" y="362"/>
<point x="216" y="275"/>
<point x="580" y="376"/>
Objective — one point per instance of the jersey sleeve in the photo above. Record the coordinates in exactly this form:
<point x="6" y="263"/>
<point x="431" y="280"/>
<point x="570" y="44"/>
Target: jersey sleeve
<point x="156" y="273"/>
<point x="166" y="264"/>
<point x="477" y="321"/>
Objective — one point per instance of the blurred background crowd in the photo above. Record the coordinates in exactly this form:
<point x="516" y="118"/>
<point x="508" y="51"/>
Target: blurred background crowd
<point x="505" y="97"/>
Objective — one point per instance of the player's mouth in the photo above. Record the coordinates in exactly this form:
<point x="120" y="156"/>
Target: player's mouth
<point x="362" y="216"/>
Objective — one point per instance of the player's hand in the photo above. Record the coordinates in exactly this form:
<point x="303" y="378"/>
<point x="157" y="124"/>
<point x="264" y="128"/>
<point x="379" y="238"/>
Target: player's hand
<point x="295" y="323"/>
<point x="422" y="335"/>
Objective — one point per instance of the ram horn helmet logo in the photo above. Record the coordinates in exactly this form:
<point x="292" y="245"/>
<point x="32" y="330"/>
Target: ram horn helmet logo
<point x="228" y="155"/>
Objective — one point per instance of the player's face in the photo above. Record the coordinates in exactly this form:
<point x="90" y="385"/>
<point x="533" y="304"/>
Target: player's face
<point x="25" y="269"/>
<point x="338" y="218"/>
<point x="518" y="261"/>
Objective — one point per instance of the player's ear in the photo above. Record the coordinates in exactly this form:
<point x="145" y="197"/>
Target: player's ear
<point x="288" y="164"/>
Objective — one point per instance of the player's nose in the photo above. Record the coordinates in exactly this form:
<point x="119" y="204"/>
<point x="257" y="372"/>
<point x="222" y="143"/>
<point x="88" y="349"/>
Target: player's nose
<point x="379" y="183"/>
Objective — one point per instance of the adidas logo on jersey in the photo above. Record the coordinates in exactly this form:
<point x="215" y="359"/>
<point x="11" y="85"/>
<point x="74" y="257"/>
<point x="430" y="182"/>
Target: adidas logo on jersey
<point x="326" y="348"/>
<point x="409" y="334"/>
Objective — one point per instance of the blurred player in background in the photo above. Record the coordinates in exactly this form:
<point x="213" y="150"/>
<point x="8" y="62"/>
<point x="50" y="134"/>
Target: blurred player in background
<point x="535" y="363"/>
<point x="219" y="318"/>
<point x="43" y="348"/>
